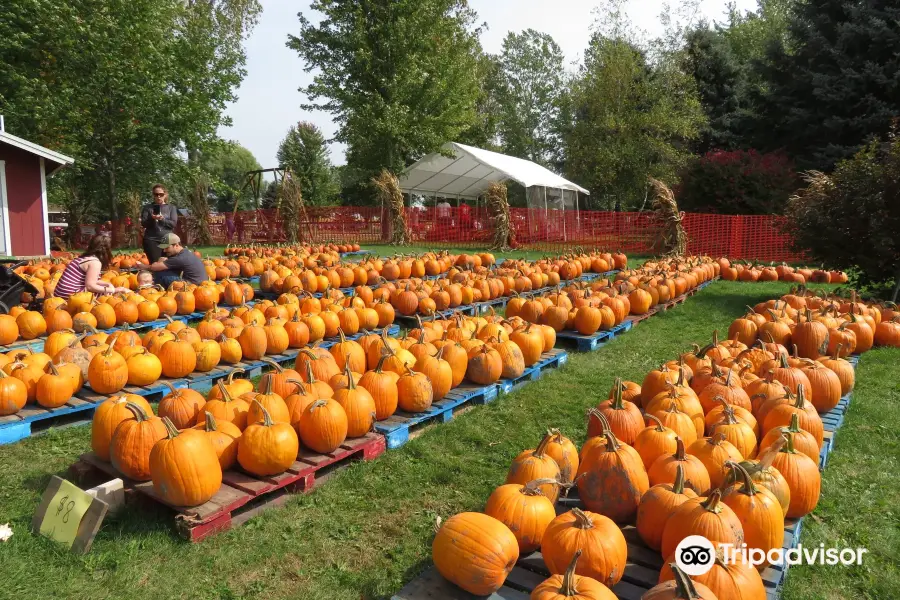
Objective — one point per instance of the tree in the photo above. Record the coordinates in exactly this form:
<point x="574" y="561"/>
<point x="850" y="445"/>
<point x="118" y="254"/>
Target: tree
<point x="305" y="152"/>
<point x="722" y="88"/>
<point x="122" y="85"/>
<point x="850" y="220"/>
<point x="484" y="131"/>
<point x="833" y="85"/>
<point x="632" y="118"/>
<point x="532" y="83"/>
<point x="399" y="76"/>
<point x="227" y="165"/>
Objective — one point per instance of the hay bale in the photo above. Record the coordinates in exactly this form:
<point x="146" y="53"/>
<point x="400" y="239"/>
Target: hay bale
<point x="387" y="187"/>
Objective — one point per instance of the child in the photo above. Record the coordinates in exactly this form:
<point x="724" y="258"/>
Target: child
<point x="144" y="279"/>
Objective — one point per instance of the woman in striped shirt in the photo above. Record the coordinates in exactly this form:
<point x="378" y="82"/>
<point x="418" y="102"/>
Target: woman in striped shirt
<point x="83" y="273"/>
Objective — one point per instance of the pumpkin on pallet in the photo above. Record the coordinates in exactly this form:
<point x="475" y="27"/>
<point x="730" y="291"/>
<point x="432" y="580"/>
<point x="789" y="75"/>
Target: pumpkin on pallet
<point x="184" y="467"/>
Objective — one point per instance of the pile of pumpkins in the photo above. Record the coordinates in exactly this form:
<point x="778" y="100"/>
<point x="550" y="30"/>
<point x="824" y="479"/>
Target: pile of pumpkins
<point x="734" y="271"/>
<point x="723" y="442"/>
<point x="602" y="304"/>
<point x="328" y="396"/>
<point x="267" y="250"/>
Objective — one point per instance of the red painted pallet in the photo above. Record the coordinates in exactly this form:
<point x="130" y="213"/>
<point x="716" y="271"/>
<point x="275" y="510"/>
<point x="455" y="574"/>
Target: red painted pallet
<point x="243" y="496"/>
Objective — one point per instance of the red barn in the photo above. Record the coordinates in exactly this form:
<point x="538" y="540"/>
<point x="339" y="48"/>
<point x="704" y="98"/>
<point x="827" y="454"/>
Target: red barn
<point x="24" y="168"/>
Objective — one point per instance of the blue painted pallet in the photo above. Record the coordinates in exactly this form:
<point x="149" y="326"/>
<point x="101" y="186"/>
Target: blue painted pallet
<point x="553" y="359"/>
<point x="37" y="344"/>
<point x="34" y="419"/>
<point x="589" y="343"/>
<point x="396" y="428"/>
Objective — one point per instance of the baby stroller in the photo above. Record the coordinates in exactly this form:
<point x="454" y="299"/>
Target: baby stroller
<point x="12" y="286"/>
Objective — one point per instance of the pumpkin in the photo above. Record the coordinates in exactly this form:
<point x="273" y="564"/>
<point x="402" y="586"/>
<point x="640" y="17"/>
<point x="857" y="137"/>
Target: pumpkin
<point x="602" y="544"/>
<point x="31" y="324"/>
<point x="570" y="585"/>
<point x="680" y="422"/>
<point x="681" y="588"/>
<point x="802" y="476"/>
<point x="182" y="406"/>
<point x="779" y="415"/>
<point x="658" y="504"/>
<point x="253" y="342"/>
<point x="178" y="358"/>
<point x="359" y="406"/>
<point x="225" y="407"/>
<point x="530" y="342"/>
<point x="707" y="517"/>
<point x="729" y="390"/>
<point x="737" y="580"/>
<point x="765" y="475"/>
<point x="534" y="464"/>
<point x="810" y="337"/>
<point x="184" y="467"/>
<point x="525" y="510"/>
<point x="209" y="353"/>
<point x="230" y="350"/>
<point x="58" y="340"/>
<point x="804" y="441"/>
<point x="655" y="441"/>
<point x="665" y="468"/>
<point x="298" y="332"/>
<point x="133" y="440"/>
<point x="624" y="417"/>
<point x="714" y="452"/>
<point x="107" y="373"/>
<point x="843" y="369"/>
<point x="53" y="389"/>
<point x="612" y="479"/>
<point x="9" y="330"/>
<point x="13" y="394"/>
<point x="268" y="402"/>
<point x="439" y="373"/>
<point x="382" y="385"/>
<point x="321" y="364"/>
<point x="267" y="447"/>
<point x="235" y="387"/>
<point x="757" y="509"/>
<point x="347" y="352"/>
<point x="414" y="392"/>
<point x="475" y="552"/>
<point x="511" y="359"/>
<point x="107" y="417"/>
<point x="485" y="366"/>
<point x="564" y="452"/>
<point x="323" y="426"/>
<point x="825" y="386"/>
<point x="143" y="367"/>
<point x="74" y="353"/>
<point x="736" y="431"/>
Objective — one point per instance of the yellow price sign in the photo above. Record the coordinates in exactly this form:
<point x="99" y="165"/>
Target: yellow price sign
<point x="69" y="515"/>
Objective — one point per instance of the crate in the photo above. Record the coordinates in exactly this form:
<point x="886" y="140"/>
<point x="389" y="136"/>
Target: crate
<point x="398" y="427"/>
<point x="553" y="359"/>
<point x="589" y="343"/>
<point x="243" y="496"/>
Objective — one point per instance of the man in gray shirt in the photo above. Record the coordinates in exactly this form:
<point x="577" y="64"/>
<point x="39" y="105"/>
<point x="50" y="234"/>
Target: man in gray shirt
<point x="158" y="220"/>
<point x="179" y="263"/>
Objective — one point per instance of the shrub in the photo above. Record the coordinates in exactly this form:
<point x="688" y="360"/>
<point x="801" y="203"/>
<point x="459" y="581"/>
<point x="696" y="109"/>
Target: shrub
<point x="850" y="219"/>
<point x="742" y="182"/>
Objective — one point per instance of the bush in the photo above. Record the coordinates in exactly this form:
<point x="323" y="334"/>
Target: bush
<point x="850" y="220"/>
<point x="742" y="182"/>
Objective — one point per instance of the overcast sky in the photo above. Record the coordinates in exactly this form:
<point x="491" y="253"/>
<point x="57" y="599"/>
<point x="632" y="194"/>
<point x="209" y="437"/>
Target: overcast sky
<point x="268" y="100"/>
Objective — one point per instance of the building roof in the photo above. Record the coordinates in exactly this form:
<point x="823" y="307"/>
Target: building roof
<point x="59" y="159"/>
<point x="467" y="172"/>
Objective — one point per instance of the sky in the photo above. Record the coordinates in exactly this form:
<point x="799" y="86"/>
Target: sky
<point x="269" y="101"/>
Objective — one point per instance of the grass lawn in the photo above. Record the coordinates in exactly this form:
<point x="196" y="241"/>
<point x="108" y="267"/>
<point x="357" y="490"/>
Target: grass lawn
<point x="368" y="530"/>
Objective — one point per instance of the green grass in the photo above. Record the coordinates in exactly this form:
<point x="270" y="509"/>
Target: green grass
<point x="368" y="530"/>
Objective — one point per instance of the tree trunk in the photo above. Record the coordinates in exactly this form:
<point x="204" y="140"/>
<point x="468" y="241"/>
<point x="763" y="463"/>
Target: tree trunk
<point x="896" y="294"/>
<point x="111" y="172"/>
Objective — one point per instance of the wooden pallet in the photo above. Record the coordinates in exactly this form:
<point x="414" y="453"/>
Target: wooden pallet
<point x="37" y="344"/>
<point x="589" y="343"/>
<point x="398" y="427"/>
<point x="553" y="359"/>
<point x="243" y="496"/>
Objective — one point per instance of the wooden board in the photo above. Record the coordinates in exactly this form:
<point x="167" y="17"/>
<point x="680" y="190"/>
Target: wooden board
<point x="242" y="495"/>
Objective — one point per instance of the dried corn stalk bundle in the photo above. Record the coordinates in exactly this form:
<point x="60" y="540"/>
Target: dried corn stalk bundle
<point x="496" y="202"/>
<point x="292" y="209"/>
<point x="671" y="240"/>
<point x="198" y="198"/>
<point x="133" y="212"/>
<point x="388" y="189"/>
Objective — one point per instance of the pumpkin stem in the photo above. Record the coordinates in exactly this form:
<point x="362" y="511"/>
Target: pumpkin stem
<point x="741" y="473"/>
<point x="569" y="589"/>
<point x="533" y="487"/>
<point x="267" y="418"/>
<point x="617" y="403"/>
<point x="794" y="427"/>
<point x="678" y="485"/>
<point x="788" y="447"/>
<point x="267" y="386"/>
<point x="226" y="397"/>
<point x="139" y="413"/>
<point x="350" y="383"/>
<point x="171" y="430"/>
<point x="274" y="364"/>
<point x="542" y="446"/>
<point x="210" y="422"/>
<point x="684" y="585"/>
<point x="582" y="520"/>
<point x="301" y="386"/>
<point x="310" y="378"/>
<point x="712" y="503"/>
<point x="679" y="450"/>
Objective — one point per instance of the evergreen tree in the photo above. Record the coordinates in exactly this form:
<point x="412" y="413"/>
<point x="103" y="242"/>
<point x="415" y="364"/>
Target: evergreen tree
<point x="305" y="152"/>
<point x="834" y="86"/>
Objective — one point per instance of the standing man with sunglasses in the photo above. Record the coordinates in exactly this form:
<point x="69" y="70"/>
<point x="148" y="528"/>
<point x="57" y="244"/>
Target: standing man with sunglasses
<point x="158" y="220"/>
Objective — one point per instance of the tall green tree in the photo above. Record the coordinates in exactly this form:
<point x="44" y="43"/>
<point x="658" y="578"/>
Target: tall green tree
<point x="122" y="85"/>
<point x="533" y="82"/>
<point x="227" y="165"/>
<point x="632" y="117"/>
<point x="400" y="77"/>
<point x="834" y="85"/>
<point x="305" y="152"/>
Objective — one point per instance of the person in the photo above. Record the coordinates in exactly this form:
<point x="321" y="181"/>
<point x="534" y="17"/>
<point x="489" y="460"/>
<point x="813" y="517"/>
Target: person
<point x="239" y="227"/>
<point x="229" y="227"/>
<point x="83" y="273"/>
<point x="465" y="216"/>
<point x="144" y="279"/>
<point x="158" y="220"/>
<point x="179" y="263"/>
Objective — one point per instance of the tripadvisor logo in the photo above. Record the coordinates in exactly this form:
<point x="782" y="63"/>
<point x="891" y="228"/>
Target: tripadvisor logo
<point x="695" y="555"/>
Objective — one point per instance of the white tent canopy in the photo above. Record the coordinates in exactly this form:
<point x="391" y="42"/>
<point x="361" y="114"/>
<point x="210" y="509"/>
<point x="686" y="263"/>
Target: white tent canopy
<point x="469" y="171"/>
